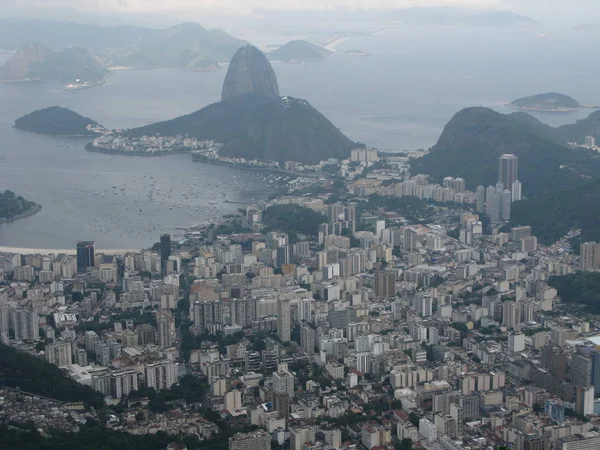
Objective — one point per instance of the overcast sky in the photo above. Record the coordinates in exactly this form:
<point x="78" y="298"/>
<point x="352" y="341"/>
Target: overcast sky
<point x="544" y="10"/>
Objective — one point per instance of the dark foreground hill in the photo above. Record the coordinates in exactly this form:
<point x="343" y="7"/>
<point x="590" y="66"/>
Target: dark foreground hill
<point x="473" y="140"/>
<point x="57" y="121"/>
<point x="254" y="126"/>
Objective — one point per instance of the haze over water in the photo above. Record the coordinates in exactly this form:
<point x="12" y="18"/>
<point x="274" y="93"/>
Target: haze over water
<point x="399" y="98"/>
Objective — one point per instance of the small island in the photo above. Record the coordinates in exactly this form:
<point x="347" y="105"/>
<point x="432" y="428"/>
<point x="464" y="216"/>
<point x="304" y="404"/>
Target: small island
<point x="14" y="207"/>
<point x="299" y="52"/>
<point x="550" y="102"/>
<point x="58" y="121"/>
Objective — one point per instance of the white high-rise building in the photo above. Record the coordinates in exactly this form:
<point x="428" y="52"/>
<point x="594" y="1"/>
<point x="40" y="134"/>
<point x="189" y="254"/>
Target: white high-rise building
<point x="283" y="381"/>
<point x="516" y="191"/>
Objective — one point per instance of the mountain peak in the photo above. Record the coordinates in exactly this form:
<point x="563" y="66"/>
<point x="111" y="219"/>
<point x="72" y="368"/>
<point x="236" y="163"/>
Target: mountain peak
<point x="249" y="73"/>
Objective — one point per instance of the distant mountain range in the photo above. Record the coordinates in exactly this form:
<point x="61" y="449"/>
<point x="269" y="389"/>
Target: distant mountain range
<point x="299" y="51"/>
<point x="186" y="46"/>
<point x="36" y="62"/>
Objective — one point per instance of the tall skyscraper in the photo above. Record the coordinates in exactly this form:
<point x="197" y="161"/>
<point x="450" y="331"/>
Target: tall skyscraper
<point x="283" y="319"/>
<point x="86" y="254"/>
<point x="493" y="204"/>
<point x="590" y="255"/>
<point x="307" y="337"/>
<point x="584" y="400"/>
<point x="480" y="199"/>
<point x="385" y="283"/>
<point x="516" y="191"/>
<point x="581" y="370"/>
<point x="164" y="324"/>
<point x="508" y="170"/>
<point x="506" y="200"/>
<point x="165" y="251"/>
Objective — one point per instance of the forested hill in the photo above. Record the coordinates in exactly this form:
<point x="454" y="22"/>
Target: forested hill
<point x="34" y="375"/>
<point x="473" y="140"/>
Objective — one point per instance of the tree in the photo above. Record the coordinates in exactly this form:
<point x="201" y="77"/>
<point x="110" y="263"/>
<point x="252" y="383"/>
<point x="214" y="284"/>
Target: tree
<point x="404" y="444"/>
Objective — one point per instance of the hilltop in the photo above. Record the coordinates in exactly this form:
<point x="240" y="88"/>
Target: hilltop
<point x="58" y="121"/>
<point x="549" y="102"/>
<point x="299" y="51"/>
<point x="475" y="137"/>
<point x="249" y="72"/>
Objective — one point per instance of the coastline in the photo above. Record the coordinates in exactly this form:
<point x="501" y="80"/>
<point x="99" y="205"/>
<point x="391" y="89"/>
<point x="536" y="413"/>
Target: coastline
<point x="109" y="151"/>
<point x="261" y="169"/>
<point x="556" y="110"/>
<point x="60" y="136"/>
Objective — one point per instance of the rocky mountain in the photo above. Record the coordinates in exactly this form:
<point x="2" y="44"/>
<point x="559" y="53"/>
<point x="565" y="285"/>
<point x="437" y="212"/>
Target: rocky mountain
<point x="299" y="51"/>
<point x="474" y="138"/>
<point x="69" y="64"/>
<point x="58" y="121"/>
<point x="249" y="72"/>
<point x="549" y="102"/>
<point x="36" y="62"/>
<point x="186" y="46"/>
<point x="252" y="121"/>
<point x="22" y="62"/>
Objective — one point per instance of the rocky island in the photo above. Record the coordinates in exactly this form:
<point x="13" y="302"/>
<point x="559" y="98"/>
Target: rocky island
<point x="14" y="207"/>
<point x="549" y="102"/>
<point x="58" y="121"/>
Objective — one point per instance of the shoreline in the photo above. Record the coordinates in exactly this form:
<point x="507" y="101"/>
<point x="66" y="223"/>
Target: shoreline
<point x="557" y="110"/>
<point x="48" y="251"/>
<point x="109" y="151"/>
<point x="262" y="169"/>
<point x="36" y="209"/>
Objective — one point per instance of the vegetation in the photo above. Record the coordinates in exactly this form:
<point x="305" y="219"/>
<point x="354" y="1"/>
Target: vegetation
<point x="580" y="287"/>
<point x="56" y="121"/>
<point x="12" y="205"/>
<point x="297" y="51"/>
<point x="89" y="438"/>
<point x="293" y="220"/>
<point x="553" y="215"/>
<point x="34" y="375"/>
<point x="551" y="101"/>
<point x="189" y="388"/>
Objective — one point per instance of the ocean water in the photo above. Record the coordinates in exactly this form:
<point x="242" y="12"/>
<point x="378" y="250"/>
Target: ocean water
<point x="399" y="98"/>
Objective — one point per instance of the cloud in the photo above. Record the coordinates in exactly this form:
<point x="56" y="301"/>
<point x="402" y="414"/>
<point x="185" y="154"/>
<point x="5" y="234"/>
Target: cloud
<point x="164" y="6"/>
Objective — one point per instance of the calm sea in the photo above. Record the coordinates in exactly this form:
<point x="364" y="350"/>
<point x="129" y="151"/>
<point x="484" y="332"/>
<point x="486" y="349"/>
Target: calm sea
<point x="399" y="98"/>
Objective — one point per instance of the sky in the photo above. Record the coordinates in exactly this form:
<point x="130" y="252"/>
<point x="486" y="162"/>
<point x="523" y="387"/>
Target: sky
<point x="573" y="11"/>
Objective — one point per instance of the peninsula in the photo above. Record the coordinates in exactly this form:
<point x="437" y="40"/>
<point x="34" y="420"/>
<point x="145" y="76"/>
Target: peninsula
<point x="299" y="52"/>
<point x="58" y="121"/>
<point x="549" y="102"/>
<point x="14" y="207"/>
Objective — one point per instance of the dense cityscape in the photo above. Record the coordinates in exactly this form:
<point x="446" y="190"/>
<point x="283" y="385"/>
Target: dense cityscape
<point x="364" y="308"/>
